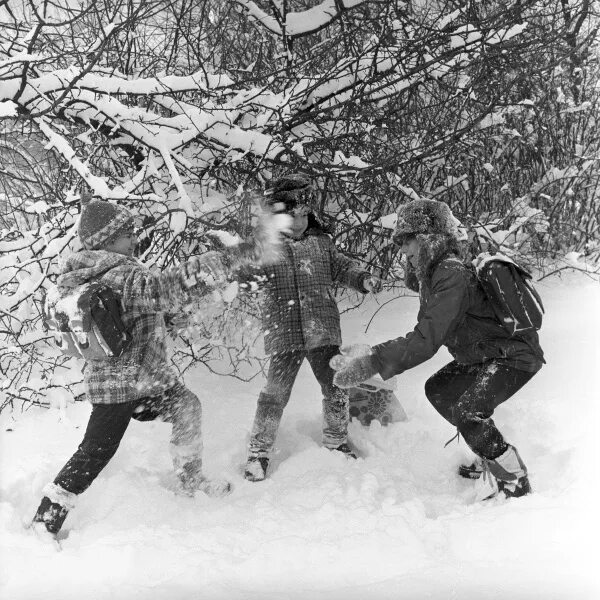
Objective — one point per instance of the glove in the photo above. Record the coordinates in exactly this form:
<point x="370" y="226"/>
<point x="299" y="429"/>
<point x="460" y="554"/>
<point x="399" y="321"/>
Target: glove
<point x="354" y="365"/>
<point x="372" y="284"/>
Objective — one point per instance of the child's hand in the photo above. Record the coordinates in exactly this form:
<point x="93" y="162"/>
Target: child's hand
<point x="354" y="365"/>
<point x="356" y="371"/>
<point x="372" y="284"/>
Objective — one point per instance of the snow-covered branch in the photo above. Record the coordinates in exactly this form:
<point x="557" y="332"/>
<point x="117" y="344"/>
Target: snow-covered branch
<point x="306" y="22"/>
<point x="185" y="111"/>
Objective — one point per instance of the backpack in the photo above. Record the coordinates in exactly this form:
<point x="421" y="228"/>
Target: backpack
<point x="507" y="285"/>
<point x="86" y="322"/>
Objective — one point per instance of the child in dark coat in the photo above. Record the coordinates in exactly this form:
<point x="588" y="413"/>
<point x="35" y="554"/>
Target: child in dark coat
<point x="489" y="364"/>
<point x="301" y="320"/>
<point x="139" y="383"/>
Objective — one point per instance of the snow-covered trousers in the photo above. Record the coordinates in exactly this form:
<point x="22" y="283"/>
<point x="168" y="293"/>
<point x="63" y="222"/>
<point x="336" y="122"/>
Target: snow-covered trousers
<point x="108" y="423"/>
<point x="466" y="396"/>
<point x="283" y="370"/>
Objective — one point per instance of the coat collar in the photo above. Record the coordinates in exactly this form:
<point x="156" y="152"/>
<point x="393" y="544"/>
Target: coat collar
<point x="433" y="248"/>
<point x="80" y="267"/>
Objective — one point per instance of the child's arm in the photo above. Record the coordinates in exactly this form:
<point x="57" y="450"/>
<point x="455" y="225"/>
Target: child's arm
<point x="152" y="291"/>
<point x="170" y="289"/>
<point x="346" y="271"/>
<point x="442" y="313"/>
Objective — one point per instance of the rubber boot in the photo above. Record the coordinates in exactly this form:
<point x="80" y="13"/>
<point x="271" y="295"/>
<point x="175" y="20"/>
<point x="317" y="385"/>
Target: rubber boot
<point x="256" y="468"/>
<point x="344" y="449"/>
<point x="505" y="474"/>
<point x="191" y="481"/>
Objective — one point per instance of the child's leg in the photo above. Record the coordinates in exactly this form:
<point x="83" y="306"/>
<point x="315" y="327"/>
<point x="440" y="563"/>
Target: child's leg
<point x="495" y="383"/>
<point x="444" y="388"/>
<point x="467" y="396"/>
<point x="104" y="432"/>
<point x="283" y="370"/>
<point x="105" y="429"/>
<point x="336" y="406"/>
<point x="180" y="407"/>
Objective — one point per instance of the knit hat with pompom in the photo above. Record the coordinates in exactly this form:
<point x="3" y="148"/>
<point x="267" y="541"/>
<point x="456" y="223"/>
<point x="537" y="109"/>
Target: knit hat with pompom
<point x="102" y="222"/>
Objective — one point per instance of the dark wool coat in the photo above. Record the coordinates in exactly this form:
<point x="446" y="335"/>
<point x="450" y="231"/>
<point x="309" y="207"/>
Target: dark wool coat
<point x="142" y="369"/>
<point x="455" y="312"/>
<point x="299" y="311"/>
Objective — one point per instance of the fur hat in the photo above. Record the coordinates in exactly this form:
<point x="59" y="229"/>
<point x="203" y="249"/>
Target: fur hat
<point x="101" y="222"/>
<point x="424" y="216"/>
<point x="288" y="189"/>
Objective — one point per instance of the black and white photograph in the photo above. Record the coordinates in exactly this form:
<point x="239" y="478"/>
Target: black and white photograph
<point x="299" y="299"/>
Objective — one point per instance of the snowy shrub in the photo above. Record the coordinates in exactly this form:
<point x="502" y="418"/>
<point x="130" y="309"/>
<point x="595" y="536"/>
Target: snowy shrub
<point x="183" y="111"/>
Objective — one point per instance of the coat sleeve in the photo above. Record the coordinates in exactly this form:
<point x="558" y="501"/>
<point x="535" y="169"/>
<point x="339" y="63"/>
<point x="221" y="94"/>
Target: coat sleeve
<point x="168" y="290"/>
<point x="345" y="271"/>
<point x="444" y="310"/>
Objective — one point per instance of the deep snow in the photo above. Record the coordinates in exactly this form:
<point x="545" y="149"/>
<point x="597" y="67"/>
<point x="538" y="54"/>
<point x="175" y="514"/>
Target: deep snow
<point x="397" y="523"/>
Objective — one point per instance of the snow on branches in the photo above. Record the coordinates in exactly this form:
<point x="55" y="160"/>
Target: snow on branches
<point x="184" y="111"/>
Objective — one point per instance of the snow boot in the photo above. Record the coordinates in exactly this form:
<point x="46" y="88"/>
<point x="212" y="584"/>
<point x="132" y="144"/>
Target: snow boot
<point x="506" y="474"/>
<point x="191" y="481"/>
<point x="51" y="514"/>
<point x="344" y="449"/>
<point x="256" y="468"/>
<point x="472" y="471"/>
<point x="214" y="488"/>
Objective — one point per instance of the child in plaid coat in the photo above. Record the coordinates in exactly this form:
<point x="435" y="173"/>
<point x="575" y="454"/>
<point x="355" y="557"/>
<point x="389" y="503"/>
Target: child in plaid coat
<point x="138" y="384"/>
<point x="301" y="320"/>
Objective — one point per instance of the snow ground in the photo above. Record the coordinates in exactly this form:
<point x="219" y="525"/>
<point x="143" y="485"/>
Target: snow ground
<point x="397" y="523"/>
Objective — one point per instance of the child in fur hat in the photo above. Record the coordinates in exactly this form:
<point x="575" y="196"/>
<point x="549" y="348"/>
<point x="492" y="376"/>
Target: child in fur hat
<point x="139" y="383"/>
<point x="489" y="365"/>
<point x="301" y="320"/>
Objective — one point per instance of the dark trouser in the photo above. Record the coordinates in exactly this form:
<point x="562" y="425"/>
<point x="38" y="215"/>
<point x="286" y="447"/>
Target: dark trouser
<point x="283" y="370"/>
<point x="108" y="423"/>
<point x="466" y="396"/>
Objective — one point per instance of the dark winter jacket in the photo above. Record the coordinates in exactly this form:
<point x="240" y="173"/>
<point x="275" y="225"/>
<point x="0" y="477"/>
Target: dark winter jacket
<point x="142" y="369"/>
<point x="299" y="310"/>
<point x="455" y="312"/>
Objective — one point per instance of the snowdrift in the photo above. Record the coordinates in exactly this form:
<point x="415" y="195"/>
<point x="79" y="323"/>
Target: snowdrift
<point x="396" y="523"/>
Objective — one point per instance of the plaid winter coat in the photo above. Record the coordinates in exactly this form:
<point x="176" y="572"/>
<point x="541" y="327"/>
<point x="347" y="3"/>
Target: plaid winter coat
<point x="142" y="369"/>
<point x="299" y="310"/>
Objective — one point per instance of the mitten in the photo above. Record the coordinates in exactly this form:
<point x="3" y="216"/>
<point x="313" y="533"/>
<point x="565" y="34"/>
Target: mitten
<point x="354" y="365"/>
